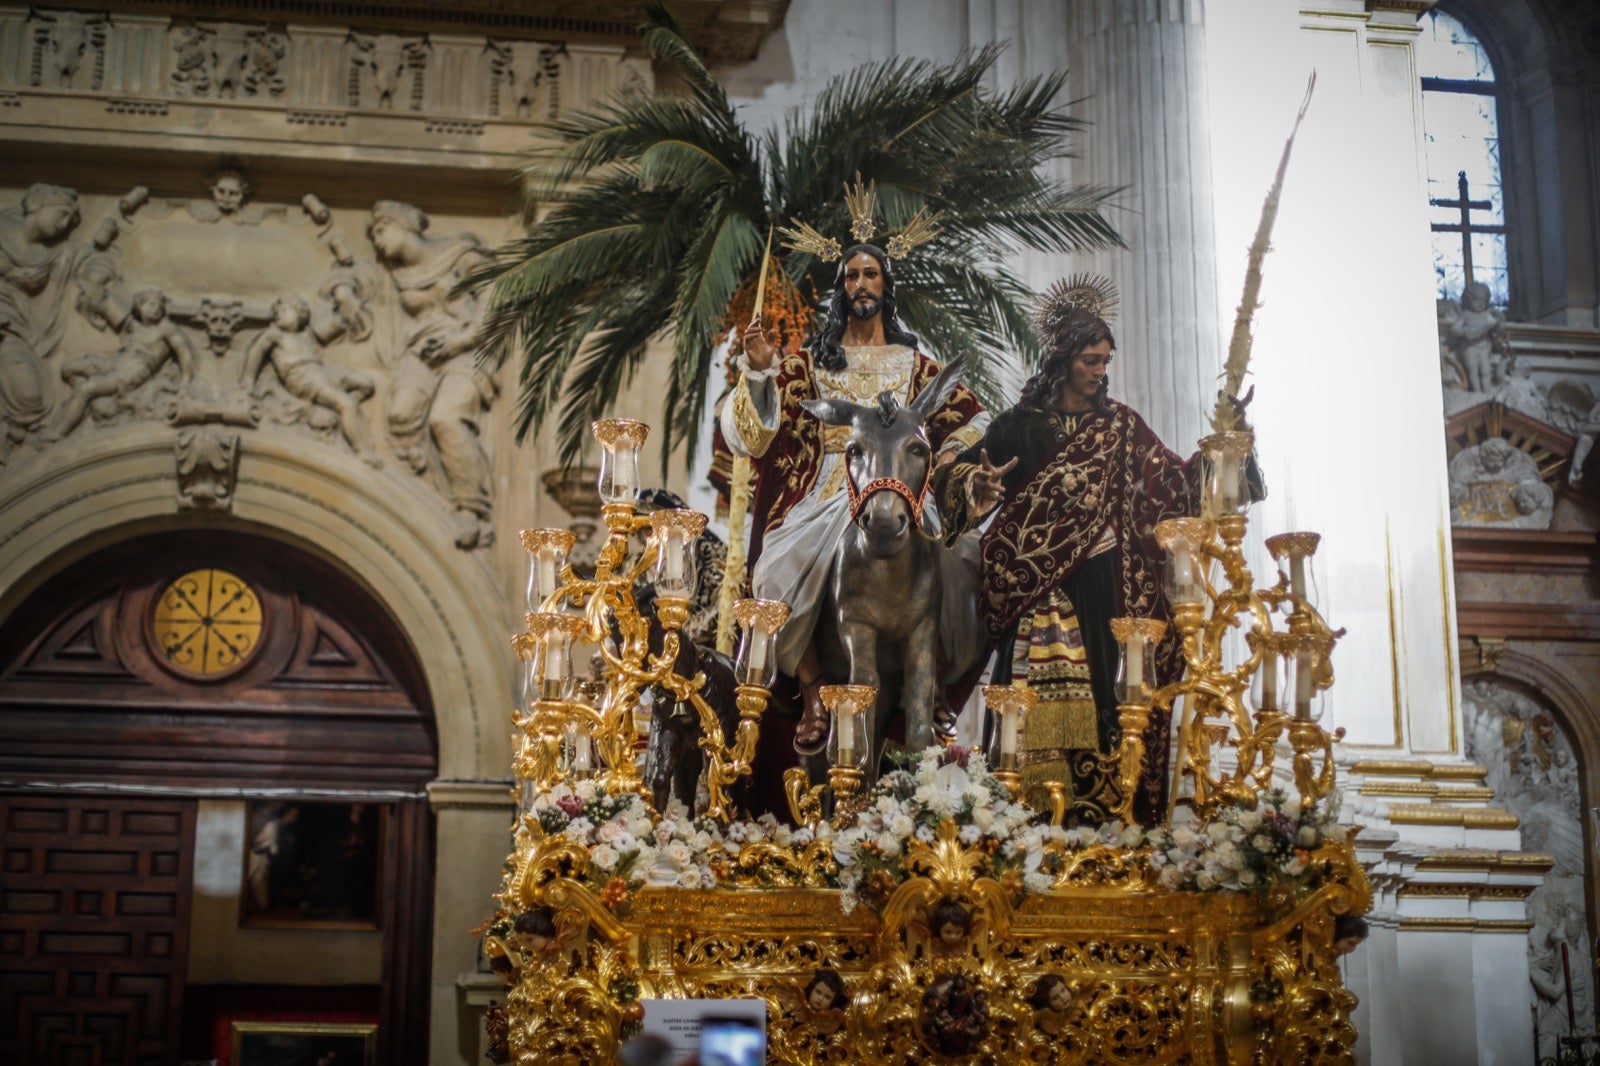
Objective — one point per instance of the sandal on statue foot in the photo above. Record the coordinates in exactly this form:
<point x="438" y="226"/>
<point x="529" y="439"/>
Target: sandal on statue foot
<point x="814" y="719"/>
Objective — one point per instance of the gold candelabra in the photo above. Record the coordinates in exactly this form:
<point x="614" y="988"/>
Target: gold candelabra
<point x="573" y="728"/>
<point x="1272" y="694"/>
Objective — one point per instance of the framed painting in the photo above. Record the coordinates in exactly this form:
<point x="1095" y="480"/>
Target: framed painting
<point x="312" y="864"/>
<point x="288" y="1043"/>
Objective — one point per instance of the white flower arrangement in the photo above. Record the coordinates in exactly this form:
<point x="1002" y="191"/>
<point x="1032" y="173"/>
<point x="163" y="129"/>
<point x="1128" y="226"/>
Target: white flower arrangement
<point x="1245" y="848"/>
<point x="909" y="803"/>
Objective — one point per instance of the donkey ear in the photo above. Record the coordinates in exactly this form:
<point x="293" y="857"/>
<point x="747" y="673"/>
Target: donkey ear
<point x="833" y="412"/>
<point x="934" y="394"/>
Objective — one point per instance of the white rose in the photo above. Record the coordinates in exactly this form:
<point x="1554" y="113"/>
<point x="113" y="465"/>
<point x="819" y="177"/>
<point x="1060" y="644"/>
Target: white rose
<point x="1247" y="877"/>
<point x="679" y="852"/>
<point x="888" y="846"/>
<point x="1170" y="877"/>
<point x="690" y="878"/>
<point x="1250" y="819"/>
<point x="608" y="833"/>
<point x="702" y="841"/>
<point x="983" y="818"/>
<point x="902" y="826"/>
<point x="1132" y="836"/>
<point x="1204" y="880"/>
<point x="1308" y="836"/>
<point x="1184" y="837"/>
<point x="604" y="856"/>
<point x="1261" y="842"/>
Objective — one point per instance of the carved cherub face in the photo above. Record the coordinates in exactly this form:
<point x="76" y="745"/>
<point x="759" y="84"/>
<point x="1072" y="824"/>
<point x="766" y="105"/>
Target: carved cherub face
<point x="149" y="306"/>
<point x="820" y="997"/>
<point x="228" y="192"/>
<point x="1495" y="453"/>
<point x="952" y="933"/>
<point x="1060" y="996"/>
<point x="1475" y="297"/>
<point x="290" y="315"/>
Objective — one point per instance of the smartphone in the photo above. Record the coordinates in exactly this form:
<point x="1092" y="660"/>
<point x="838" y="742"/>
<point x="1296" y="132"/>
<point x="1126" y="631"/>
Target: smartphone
<point x="732" y="1042"/>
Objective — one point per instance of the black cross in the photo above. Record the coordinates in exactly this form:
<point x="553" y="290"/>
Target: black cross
<point x="1465" y="226"/>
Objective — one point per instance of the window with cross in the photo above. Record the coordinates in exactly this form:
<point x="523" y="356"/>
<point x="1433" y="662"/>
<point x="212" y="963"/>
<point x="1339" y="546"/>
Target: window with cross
<point x="1461" y="125"/>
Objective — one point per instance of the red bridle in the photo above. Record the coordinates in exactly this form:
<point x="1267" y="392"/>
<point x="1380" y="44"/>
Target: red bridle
<point x="859" y="496"/>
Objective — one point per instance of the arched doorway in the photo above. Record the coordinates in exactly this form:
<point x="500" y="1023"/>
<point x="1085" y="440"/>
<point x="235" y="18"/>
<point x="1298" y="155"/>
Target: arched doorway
<point x="179" y="715"/>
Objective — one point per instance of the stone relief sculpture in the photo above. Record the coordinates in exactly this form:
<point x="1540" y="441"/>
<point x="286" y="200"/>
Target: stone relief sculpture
<point x="149" y="342"/>
<point x="439" y="393"/>
<point x="227" y="61"/>
<point x="40" y="261"/>
<point x="525" y="78"/>
<point x="1534" y="774"/>
<point x="289" y="346"/>
<point x="1495" y="483"/>
<point x="380" y="63"/>
<point x="69" y="50"/>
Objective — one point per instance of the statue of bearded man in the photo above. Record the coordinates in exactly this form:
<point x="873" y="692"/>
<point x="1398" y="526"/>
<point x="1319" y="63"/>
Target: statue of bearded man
<point x="800" y="509"/>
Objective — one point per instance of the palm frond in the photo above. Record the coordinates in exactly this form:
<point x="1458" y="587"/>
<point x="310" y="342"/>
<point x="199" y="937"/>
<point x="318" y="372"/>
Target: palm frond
<point x="654" y="207"/>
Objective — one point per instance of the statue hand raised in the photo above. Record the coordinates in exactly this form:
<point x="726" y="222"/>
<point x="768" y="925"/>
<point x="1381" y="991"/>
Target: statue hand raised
<point x="986" y="486"/>
<point x="758" y="351"/>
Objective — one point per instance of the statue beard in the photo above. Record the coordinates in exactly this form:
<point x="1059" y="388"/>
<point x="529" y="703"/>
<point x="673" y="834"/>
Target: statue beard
<point x="865" y="306"/>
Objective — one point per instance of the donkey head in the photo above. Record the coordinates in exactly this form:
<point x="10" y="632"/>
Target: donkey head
<point x="888" y="460"/>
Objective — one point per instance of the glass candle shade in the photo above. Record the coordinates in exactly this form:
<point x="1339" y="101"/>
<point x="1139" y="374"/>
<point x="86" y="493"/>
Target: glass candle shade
<point x="1293" y="552"/>
<point x="1137" y="638"/>
<point x="757" y="659"/>
<point x="548" y="550"/>
<point x="620" y="440"/>
<point x="1305" y="665"/>
<point x="553" y="635"/>
<point x="1184" y="575"/>
<point x="1010" y="704"/>
<point x="1224" y="456"/>
<point x="850" y="738"/>
<point x="1267" y="686"/>
<point x="676" y="532"/>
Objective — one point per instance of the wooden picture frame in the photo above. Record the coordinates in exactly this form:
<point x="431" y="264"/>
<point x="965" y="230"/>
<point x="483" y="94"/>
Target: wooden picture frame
<point x="313" y="864"/>
<point x="289" y="1043"/>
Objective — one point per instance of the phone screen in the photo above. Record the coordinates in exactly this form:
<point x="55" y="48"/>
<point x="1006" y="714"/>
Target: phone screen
<point x="732" y="1042"/>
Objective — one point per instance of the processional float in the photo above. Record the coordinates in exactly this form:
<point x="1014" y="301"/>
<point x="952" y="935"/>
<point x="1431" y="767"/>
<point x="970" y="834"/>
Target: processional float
<point x="941" y="918"/>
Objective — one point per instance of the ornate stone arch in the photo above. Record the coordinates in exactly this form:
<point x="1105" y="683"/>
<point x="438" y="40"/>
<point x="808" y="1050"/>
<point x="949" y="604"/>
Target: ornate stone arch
<point x="381" y="531"/>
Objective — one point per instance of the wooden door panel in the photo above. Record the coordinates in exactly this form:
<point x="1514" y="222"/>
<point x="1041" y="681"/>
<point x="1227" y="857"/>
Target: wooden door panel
<point x="95" y="934"/>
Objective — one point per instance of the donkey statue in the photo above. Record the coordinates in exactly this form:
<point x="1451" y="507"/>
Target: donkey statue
<point x="881" y="617"/>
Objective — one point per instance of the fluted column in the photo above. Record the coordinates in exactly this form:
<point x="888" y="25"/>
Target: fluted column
<point x="1141" y="66"/>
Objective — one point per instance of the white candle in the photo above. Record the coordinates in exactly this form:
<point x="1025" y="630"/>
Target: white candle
<point x="758" y="656"/>
<point x="1302" y="686"/>
<point x="555" y="671"/>
<point x="1008" y="733"/>
<point x="1228" y="483"/>
<point x="1269" y="681"/>
<point x="1135" y="674"/>
<point x="547" y="572"/>
<point x="674" y="557"/>
<point x="624" y="480"/>
<point x="1183" y="573"/>
<point x="1297" y="575"/>
<point x="582" y="753"/>
<point x="846" y="724"/>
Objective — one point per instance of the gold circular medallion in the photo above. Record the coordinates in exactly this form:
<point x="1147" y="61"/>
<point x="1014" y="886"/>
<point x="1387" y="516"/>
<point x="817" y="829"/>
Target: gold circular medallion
<point x="207" y="624"/>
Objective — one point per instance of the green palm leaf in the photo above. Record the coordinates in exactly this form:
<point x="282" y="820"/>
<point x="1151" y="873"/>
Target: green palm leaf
<point x="655" y="208"/>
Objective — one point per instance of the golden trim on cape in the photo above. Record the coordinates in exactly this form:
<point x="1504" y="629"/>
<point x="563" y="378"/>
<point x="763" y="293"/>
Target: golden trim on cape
<point x="757" y="437"/>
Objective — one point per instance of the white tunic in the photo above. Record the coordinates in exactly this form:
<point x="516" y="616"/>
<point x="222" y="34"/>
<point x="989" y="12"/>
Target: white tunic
<point x="797" y="557"/>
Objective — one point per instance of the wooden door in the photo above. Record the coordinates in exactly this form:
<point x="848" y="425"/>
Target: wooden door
<point x="94" y="926"/>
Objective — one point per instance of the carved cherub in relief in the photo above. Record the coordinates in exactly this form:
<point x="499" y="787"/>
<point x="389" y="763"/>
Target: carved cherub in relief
<point x="149" y="341"/>
<point x="290" y="347"/>
<point x="950" y="928"/>
<point x="1052" y="1004"/>
<point x="821" y="1003"/>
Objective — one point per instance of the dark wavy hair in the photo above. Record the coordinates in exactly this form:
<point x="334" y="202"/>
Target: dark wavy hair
<point x="824" y="344"/>
<point x="1077" y="330"/>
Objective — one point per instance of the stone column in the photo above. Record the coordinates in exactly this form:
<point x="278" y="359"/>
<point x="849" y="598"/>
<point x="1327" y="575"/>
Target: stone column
<point x="1141" y="64"/>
